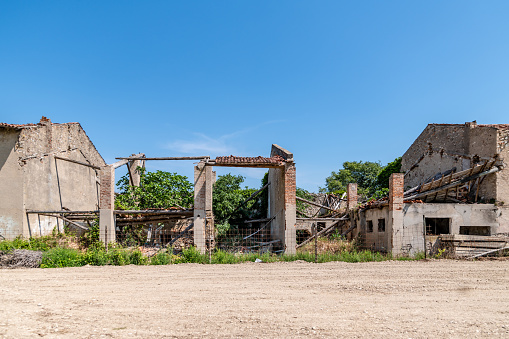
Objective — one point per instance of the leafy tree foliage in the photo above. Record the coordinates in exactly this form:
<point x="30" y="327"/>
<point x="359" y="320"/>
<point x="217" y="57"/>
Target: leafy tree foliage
<point x="228" y="196"/>
<point x="360" y="172"/>
<point x="382" y="179"/>
<point x="157" y="190"/>
<point x="372" y="179"/>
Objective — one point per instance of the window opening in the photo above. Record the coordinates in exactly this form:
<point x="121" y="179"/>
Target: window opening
<point x="370" y="226"/>
<point x="437" y="226"/>
<point x="381" y="225"/>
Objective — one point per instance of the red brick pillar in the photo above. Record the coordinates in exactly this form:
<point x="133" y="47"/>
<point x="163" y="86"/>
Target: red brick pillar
<point x="396" y="232"/>
<point x="396" y="189"/>
<point x="290" y="209"/>
<point x="107" y="204"/>
<point x="351" y="196"/>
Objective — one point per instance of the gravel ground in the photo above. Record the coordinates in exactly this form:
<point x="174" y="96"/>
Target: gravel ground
<point x="444" y="298"/>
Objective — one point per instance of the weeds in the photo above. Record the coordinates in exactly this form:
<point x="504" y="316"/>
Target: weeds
<point x="62" y="250"/>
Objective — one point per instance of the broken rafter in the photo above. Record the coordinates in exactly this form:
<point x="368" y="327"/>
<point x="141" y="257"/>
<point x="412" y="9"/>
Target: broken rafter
<point x="454" y="184"/>
<point x="315" y="204"/>
<point x="66" y="220"/>
<point x="61" y="212"/>
<point x="325" y="230"/>
<point x="78" y="162"/>
<point x="261" y="228"/>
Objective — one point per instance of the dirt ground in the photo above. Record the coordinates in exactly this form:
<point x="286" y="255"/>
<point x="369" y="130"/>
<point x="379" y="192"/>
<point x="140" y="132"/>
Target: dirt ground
<point x="453" y="299"/>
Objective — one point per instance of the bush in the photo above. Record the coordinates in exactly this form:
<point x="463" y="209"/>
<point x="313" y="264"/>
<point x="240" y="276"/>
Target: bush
<point x="62" y="257"/>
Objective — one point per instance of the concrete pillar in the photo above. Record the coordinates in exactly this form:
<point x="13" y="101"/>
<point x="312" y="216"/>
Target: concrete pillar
<point x="200" y="205"/>
<point x="210" y="179"/>
<point x="107" y="204"/>
<point x="135" y="174"/>
<point x="395" y="227"/>
<point x="351" y="196"/>
<point x="282" y="202"/>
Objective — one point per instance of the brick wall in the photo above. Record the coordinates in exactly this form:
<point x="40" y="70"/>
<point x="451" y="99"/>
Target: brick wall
<point x="396" y="189"/>
<point x="351" y="196"/>
<point x="290" y="184"/>
<point x="107" y="196"/>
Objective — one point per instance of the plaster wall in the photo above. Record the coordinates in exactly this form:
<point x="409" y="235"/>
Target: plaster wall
<point x="448" y="137"/>
<point x="459" y="143"/>
<point x="407" y="237"/>
<point x="276" y="204"/>
<point x="39" y="181"/>
<point x="377" y="240"/>
<point x="11" y="186"/>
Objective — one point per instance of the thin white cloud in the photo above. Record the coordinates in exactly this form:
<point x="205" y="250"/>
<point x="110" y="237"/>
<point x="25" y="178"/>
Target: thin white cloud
<point x="202" y="143"/>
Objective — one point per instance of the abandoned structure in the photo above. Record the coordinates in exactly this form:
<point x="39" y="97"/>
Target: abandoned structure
<point x="454" y="189"/>
<point x="51" y="175"/>
<point x="45" y="167"/>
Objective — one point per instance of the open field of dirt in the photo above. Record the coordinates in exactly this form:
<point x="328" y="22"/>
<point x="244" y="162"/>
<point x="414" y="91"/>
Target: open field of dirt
<point x="386" y="299"/>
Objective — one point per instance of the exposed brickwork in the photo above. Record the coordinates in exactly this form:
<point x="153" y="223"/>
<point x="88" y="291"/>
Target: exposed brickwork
<point x="290" y="184"/>
<point x="351" y="196"/>
<point x="396" y="190"/>
<point x="106" y="191"/>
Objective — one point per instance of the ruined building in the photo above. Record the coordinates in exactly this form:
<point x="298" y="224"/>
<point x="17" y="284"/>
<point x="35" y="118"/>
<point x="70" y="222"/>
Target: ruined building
<point x="454" y="188"/>
<point x="36" y="173"/>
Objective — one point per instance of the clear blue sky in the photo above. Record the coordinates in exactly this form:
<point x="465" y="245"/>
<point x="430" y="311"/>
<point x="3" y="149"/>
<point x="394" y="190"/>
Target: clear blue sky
<point x="331" y="81"/>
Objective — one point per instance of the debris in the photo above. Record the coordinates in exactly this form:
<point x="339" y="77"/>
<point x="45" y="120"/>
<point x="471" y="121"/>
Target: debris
<point x="21" y="259"/>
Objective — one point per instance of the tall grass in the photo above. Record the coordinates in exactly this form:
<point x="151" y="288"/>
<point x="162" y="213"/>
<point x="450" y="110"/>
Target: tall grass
<point x="60" y="251"/>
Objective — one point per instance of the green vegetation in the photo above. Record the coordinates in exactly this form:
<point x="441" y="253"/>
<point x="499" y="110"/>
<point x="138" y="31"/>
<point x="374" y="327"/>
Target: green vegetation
<point x="157" y="190"/>
<point x="371" y="177"/>
<point x="60" y="251"/>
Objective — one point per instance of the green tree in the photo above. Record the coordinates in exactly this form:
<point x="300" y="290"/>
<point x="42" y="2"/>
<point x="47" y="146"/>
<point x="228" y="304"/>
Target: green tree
<point x="157" y="190"/>
<point x="228" y="196"/>
<point x="364" y="173"/>
<point x="382" y="179"/>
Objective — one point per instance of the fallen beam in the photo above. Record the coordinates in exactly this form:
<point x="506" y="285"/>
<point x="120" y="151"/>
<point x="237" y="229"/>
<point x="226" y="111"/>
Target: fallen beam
<point x="66" y="220"/>
<point x="315" y="204"/>
<point x="180" y="235"/>
<point x="319" y="233"/>
<point x="489" y="252"/>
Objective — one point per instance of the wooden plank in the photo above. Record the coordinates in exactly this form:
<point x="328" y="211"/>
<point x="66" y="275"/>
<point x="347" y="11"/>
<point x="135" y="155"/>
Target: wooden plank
<point x="188" y="212"/>
<point x="256" y="221"/>
<point x="61" y="212"/>
<point x="489" y="252"/>
<point x="77" y="162"/>
<point x="322" y="219"/>
<point x="164" y="158"/>
<point x="464" y="237"/>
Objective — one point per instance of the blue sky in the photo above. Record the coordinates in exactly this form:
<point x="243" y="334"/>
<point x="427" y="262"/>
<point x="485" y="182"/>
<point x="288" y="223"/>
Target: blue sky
<point x="331" y="81"/>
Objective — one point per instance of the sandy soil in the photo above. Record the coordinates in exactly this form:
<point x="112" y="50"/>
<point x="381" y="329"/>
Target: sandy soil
<point x="455" y="299"/>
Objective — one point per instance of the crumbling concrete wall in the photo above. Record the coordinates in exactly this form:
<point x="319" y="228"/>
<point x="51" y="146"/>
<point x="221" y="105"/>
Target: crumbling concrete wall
<point x="447" y="146"/>
<point x="44" y="182"/>
<point x="283" y="184"/>
<point x="11" y="186"/>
